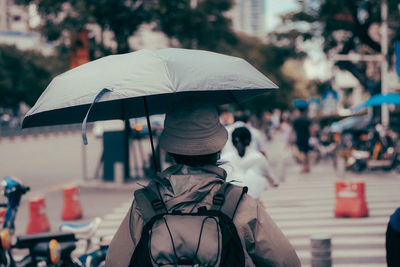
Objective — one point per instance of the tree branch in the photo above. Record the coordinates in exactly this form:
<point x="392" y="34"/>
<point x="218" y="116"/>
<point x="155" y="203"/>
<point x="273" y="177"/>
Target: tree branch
<point x="361" y="30"/>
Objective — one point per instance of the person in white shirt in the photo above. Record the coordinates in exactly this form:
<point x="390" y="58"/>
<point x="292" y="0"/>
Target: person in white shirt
<point x="247" y="165"/>
<point x="258" y="140"/>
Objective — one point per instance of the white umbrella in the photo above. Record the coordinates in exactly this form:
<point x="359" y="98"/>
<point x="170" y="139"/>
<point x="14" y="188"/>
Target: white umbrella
<point x="143" y="83"/>
<point x="120" y="83"/>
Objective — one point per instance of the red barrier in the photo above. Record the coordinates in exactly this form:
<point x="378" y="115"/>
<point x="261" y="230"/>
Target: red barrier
<point x="350" y="199"/>
<point x="72" y="207"/>
<point x="38" y="222"/>
<point x="2" y="216"/>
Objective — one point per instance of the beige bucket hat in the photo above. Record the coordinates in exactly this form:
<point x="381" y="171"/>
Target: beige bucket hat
<point x="193" y="130"/>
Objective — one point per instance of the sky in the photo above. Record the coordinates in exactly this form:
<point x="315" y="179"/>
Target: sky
<point x="316" y="66"/>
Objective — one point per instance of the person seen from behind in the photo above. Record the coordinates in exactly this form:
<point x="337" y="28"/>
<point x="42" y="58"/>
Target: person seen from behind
<point x="248" y="165"/>
<point x="194" y="138"/>
<point x="301" y="126"/>
<point x="258" y="138"/>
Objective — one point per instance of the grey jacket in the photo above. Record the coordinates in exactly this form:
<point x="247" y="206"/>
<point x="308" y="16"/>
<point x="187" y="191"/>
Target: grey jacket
<point x="187" y="188"/>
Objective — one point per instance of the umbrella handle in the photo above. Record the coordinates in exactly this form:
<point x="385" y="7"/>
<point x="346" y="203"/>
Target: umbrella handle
<point x="151" y="134"/>
<point x="95" y="100"/>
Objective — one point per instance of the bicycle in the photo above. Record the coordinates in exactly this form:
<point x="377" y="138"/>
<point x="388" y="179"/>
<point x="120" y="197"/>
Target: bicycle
<point x="45" y="249"/>
<point x="92" y="257"/>
<point x="48" y="249"/>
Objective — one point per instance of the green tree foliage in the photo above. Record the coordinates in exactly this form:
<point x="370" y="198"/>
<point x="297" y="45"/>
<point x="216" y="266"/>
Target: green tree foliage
<point x="66" y="17"/>
<point x="24" y="75"/>
<point x="202" y="25"/>
<point x="269" y="59"/>
<point x="345" y="27"/>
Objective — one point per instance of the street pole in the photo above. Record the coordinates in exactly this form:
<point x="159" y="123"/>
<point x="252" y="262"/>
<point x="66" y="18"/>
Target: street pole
<point x="384" y="63"/>
<point x="321" y="248"/>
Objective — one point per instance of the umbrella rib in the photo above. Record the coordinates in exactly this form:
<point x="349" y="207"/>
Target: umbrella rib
<point x="233" y="97"/>
<point x="166" y="69"/>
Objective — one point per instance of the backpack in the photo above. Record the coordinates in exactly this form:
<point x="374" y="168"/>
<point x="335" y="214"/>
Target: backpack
<point x="202" y="238"/>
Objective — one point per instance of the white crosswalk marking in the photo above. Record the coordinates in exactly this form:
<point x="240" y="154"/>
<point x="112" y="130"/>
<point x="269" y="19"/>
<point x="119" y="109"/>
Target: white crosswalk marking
<point x="305" y="207"/>
<point x="111" y="221"/>
<point x="107" y="228"/>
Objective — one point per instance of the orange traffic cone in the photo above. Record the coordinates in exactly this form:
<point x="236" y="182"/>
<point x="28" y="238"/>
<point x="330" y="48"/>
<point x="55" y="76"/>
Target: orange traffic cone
<point x="350" y="199"/>
<point x="38" y="222"/>
<point x="72" y="207"/>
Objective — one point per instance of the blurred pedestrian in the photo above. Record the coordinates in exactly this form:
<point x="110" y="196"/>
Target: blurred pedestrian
<point x="249" y="166"/>
<point x="390" y="138"/>
<point x="258" y="139"/>
<point x="276" y="120"/>
<point x="194" y="138"/>
<point x="301" y="126"/>
<point x="393" y="240"/>
<point x="226" y="117"/>
<point x="287" y="131"/>
<point x="267" y="124"/>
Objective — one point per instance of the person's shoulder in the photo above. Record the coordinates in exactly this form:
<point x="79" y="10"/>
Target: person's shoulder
<point x="253" y="154"/>
<point x="301" y="120"/>
<point x="231" y="127"/>
<point x="247" y="208"/>
<point x="229" y="154"/>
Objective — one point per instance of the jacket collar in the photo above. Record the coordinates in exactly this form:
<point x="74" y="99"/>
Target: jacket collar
<point x="181" y="169"/>
<point x="182" y="184"/>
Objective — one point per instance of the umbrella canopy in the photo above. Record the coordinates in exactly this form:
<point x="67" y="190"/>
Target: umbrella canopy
<point x="379" y="99"/>
<point x="357" y="122"/>
<point x="142" y="83"/>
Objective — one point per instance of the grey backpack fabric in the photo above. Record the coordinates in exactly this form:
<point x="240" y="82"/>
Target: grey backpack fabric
<point x="202" y="238"/>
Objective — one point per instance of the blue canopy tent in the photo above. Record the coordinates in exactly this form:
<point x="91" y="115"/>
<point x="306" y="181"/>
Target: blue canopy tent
<point x="378" y="100"/>
<point x="357" y="122"/>
<point x="300" y="103"/>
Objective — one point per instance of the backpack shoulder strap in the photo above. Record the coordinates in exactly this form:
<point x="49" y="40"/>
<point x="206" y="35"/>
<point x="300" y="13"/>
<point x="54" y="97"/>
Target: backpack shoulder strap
<point x="227" y="198"/>
<point x="150" y="202"/>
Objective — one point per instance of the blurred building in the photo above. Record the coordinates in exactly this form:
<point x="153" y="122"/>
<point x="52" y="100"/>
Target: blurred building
<point x="15" y="28"/>
<point x="350" y="92"/>
<point x="13" y="17"/>
<point x="248" y="16"/>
